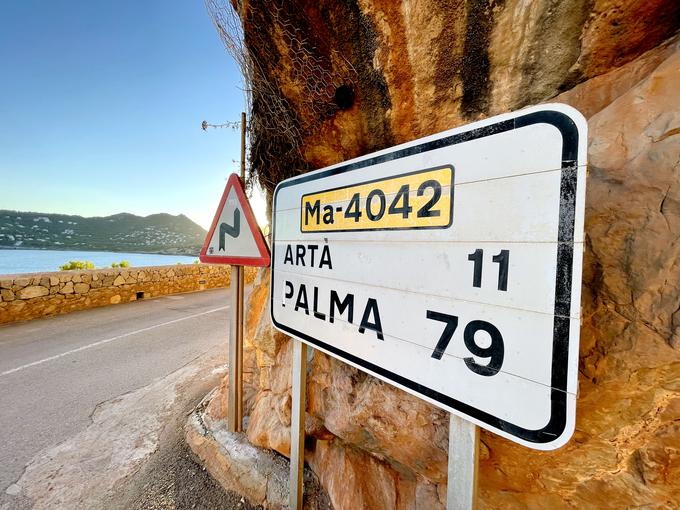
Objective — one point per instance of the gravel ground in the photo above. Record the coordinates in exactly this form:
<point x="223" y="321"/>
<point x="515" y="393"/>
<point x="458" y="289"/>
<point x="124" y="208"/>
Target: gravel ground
<point x="173" y="480"/>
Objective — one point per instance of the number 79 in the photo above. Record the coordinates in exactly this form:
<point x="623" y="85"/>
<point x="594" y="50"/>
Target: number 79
<point x="495" y="352"/>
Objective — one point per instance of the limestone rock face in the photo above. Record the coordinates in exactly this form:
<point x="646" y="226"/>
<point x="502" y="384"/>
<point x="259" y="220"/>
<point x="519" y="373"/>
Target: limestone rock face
<point x="382" y="419"/>
<point x="335" y="80"/>
<point x="355" y="479"/>
<point x="420" y="66"/>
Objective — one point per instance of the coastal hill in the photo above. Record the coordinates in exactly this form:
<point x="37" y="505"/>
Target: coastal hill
<point x="157" y="233"/>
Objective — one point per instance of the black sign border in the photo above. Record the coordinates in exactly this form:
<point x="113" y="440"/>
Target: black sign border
<point x="565" y="259"/>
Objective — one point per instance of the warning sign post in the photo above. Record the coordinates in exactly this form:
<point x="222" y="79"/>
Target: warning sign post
<point x="234" y="238"/>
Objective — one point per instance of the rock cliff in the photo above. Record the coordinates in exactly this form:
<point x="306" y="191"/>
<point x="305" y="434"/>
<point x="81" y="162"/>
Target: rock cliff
<point x="341" y="79"/>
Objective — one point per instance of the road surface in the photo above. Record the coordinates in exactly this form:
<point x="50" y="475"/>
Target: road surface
<point x="56" y="372"/>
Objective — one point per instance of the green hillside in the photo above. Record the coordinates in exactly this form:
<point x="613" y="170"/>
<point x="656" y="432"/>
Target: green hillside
<point x="157" y="233"/>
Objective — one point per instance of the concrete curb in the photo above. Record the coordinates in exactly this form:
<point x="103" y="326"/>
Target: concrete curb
<point x="260" y="475"/>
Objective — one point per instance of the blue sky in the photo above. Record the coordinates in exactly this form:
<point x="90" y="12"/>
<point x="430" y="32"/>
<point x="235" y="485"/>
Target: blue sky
<point x="101" y="104"/>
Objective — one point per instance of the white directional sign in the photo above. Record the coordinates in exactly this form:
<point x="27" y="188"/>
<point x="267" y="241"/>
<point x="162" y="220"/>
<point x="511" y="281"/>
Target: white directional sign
<point x="450" y="267"/>
<point x="234" y="237"/>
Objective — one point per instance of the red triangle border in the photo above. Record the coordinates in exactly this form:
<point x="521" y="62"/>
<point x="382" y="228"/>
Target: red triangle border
<point x="264" y="259"/>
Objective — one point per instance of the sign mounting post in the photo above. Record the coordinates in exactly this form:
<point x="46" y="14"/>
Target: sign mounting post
<point x="235" y="405"/>
<point x="461" y="489"/>
<point x="450" y="267"/>
<point x="234" y="238"/>
<point x="297" y="424"/>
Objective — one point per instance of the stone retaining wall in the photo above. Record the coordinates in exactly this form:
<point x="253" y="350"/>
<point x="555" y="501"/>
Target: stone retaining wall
<point x="31" y="296"/>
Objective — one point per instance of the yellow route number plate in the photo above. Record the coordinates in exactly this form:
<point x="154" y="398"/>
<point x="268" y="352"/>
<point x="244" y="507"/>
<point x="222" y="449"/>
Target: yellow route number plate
<point x="415" y="200"/>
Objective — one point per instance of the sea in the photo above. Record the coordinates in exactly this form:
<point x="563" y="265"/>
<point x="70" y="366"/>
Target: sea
<point x="38" y="261"/>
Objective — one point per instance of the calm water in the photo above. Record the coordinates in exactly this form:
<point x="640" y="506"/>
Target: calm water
<point x="36" y="261"/>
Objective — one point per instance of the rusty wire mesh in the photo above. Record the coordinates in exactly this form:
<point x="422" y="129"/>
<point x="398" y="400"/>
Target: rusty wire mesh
<point x="292" y="80"/>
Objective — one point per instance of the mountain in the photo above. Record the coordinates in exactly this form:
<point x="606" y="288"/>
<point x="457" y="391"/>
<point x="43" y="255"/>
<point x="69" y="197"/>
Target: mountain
<point x="157" y="233"/>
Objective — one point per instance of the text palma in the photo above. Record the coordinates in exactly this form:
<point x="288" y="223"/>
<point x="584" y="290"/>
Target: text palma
<point x="337" y="307"/>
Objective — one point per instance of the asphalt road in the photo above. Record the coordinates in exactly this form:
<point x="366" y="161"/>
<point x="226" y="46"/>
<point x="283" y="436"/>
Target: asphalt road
<point x="55" y="371"/>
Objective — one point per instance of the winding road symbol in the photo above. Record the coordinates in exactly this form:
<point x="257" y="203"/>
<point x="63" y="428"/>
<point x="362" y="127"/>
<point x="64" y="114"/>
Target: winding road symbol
<point x="233" y="230"/>
<point x="234" y="236"/>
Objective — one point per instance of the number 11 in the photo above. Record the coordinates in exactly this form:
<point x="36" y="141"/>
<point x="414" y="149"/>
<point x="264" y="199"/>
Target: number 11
<point x="502" y="259"/>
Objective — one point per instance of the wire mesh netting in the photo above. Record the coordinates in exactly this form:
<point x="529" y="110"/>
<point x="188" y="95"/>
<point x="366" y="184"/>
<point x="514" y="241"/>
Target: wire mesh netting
<point x="292" y="81"/>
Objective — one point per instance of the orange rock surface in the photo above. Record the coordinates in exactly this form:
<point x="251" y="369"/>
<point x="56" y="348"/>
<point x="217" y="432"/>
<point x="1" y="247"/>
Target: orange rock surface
<point x="428" y="65"/>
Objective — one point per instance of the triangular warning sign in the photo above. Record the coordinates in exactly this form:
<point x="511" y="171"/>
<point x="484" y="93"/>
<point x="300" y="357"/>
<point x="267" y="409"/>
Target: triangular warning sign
<point x="234" y="237"/>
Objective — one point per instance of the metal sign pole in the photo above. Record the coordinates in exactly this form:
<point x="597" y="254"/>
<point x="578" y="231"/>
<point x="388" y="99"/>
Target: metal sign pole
<point x="461" y="491"/>
<point x="235" y="405"/>
<point x="297" y="424"/>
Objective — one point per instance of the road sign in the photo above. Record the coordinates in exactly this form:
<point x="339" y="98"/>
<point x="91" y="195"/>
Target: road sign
<point x="449" y="266"/>
<point x="234" y="237"/>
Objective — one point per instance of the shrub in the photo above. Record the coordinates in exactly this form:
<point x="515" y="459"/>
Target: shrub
<point x="76" y="264"/>
<point x="122" y="263"/>
<point x="115" y="265"/>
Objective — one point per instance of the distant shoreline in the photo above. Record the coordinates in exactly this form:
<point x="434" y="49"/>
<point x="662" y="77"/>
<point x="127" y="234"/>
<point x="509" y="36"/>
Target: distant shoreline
<point x="156" y="234"/>
<point x="13" y="248"/>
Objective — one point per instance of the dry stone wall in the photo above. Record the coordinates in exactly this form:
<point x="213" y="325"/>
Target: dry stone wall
<point x="31" y="296"/>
